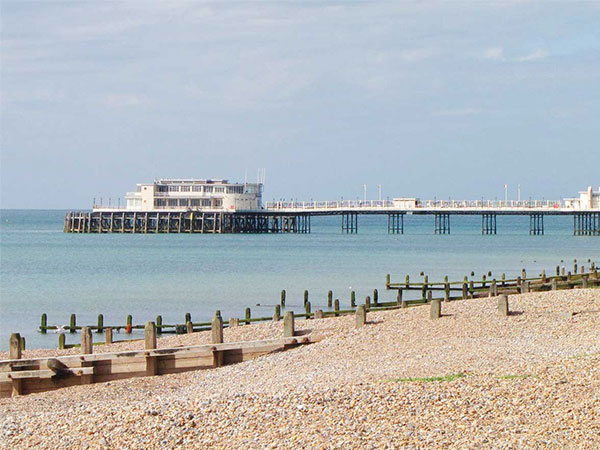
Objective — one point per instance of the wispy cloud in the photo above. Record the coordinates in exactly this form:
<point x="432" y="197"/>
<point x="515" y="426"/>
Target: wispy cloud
<point x="494" y="53"/>
<point x="535" y="55"/>
<point x="458" y="112"/>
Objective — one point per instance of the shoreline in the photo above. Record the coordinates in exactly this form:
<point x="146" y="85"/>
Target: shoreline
<point x="503" y="381"/>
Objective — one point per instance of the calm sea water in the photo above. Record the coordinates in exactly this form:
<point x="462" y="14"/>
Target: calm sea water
<point x="43" y="269"/>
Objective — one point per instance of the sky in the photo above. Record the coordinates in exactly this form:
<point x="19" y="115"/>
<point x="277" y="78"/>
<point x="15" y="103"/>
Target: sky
<point x="431" y="99"/>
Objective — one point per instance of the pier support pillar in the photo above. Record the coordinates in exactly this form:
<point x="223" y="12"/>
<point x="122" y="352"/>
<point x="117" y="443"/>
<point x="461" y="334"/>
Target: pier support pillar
<point x="442" y="223"/>
<point x="488" y="223"/>
<point x="350" y="223"/>
<point x="536" y="224"/>
<point x="395" y="223"/>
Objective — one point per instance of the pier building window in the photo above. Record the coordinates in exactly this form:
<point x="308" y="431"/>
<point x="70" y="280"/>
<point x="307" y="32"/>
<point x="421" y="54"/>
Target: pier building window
<point x="205" y="202"/>
<point x="219" y="188"/>
<point x="183" y="202"/>
<point x="160" y="202"/>
<point x="195" y="201"/>
<point x="185" y="189"/>
<point x="173" y="202"/>
<point x="218" y="203"/>
<point x="173" y="188"/>
<point x="208" y="188"/>
<point x="161" y="188"/>
<point x="235" y="189"/>
<point x="197" y="188"/>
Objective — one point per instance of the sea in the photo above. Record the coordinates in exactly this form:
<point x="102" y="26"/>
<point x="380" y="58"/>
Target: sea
<point x="43" y="270"/>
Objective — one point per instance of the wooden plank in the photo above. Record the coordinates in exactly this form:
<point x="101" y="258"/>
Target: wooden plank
<point x="44" y="373"/>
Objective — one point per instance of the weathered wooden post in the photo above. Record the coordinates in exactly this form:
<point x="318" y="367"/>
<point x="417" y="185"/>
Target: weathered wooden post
<point x="404" y="304"/>
<point x="446" y="291"/>
<point x="557" y="270"/>
<point x="73" y="323"/>
<point x="387" y="281"/>
<point x="100" y="327"/>
<point x="87" y="347"/>
<point x="368" y="302"/>
<point x="14" y="352"/>
<point x="568" y="276"/>
<point x="288" y="324"/>
<point x="544" y="279"/>
<point x="471" y="289"/>
<point x="44" y="324"/>
<point x="524" y="274"/>
<point x="353" y="299"/>
<point x="189" y="328"/>
<point x="424" y="293"/>
<point x="277" y="314"/>
<point x="483" y="280"/>
<point x="307" y="310"/>
<point x="248" y="316"/>
<point x="525" y="287"/>
<point x="465" y="291"/>
<point x="494" y="288"/>
<point x="407" y="280"/>
<point x="375" y="298"/>
<point x="14" y="349"/>
<point x="582" y="270"/>
<point x="150" y="344"/>
<point x="336" y="307"/>
<point x="435" y="311"/>
<point x="23" y="344"/>
<point x="305" y="297"/>
<point x="61" y="341"/>
<point x="584" y="281"/>
<point x="429" y="296"/>
<point x="360" y="316"/>
<point x="574" y="266"/>
<point x="503" y="279"/>
<point x="283" y="297"/>
<point x="129" y="327"/>
<point x="399" y="297"/>
<point x="216" y="330"/>
<point x="159" y="324"/>
<point x="554" y="284"/>
<point x="562" y="271"/>
<point x="503" y="305"/>
<point x="319" y="314"/>
<point x="188" y="317"/>
<point x="108" y="335"/>
<point x="234" y="322"/>
<point x="330" y="299"/>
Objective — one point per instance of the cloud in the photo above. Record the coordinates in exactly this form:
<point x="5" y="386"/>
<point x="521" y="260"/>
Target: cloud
<point x="458" y="112"/>
<point x="494" y="53"/>
<point x="121" y="100"/>
<point x="535" y="55"/>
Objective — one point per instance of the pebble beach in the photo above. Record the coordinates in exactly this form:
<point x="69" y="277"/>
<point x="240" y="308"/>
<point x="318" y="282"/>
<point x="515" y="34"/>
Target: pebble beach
<point x="471" y="379"/>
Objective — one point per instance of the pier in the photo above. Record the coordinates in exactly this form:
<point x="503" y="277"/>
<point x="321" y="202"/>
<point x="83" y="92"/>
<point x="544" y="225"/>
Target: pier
<point x="295" y="217"/>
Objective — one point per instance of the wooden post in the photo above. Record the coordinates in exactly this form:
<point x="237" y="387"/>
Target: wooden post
<point x="584" y="281"/>
<point x="524" y="287"/>
<point x="307" y="310"/>
<point x="360" y="316"/>
<point x="387" y="281"/>
<point x="465" y="292"/>
<point x="159" y="324"/>
<point x="23" y="344"/>
<point x="248" y="316"/>
<point x="108" y="335"/>
<point x="234" y="322"/>
<point x="557" y="270"/>
<point x="429" y="296"/>
<point x="288" y="324"/>
<point x="14" y="352"/>
<point x="283" y="297"/>
<point x="353" y="299"/>
<point x="493" y="288"/>
<point x="277" y="314"/>
<point x="336" y="307"/>
<point x="446" y="291"/>
<point x="188" y="317"/>
<point x="554" y="284"/>
<point x="368" y="302"/>
<point x="129" y="326"/>
<point x="189" y="328"/>
<point x="44" y="324"/>
<point x="150" y="344"/>
<point x="100" y="323"/>
<point x="305" y="297"/>
<point x="375" y="298"/>
<point x="61" y="341"/>
<point x="399" y="297"/>
<point x="87" y="347"/>
<point x="404" y="304"/>
<point x="503" y="305"/>
<point x="330" y="299"/>
<point x="319" y="314"/>
<point x="435" y="311"/>
<point x="216" y="330"/>
<point x="73" y="323"/>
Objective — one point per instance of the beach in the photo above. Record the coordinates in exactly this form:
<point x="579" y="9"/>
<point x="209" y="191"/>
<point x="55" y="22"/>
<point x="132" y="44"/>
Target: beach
<point x="471" y="379"/>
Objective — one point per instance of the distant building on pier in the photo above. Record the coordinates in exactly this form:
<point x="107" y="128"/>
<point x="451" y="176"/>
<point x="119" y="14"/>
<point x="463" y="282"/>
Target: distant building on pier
<point x="194" y="195"/>
<point x="588" y="199"/>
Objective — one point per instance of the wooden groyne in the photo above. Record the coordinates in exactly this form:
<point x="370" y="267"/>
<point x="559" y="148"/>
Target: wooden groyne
<point x="25" y="376"/>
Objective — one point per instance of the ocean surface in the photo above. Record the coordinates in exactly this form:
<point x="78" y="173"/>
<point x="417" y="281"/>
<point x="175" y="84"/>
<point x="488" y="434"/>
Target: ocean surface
<point x="43" y="270"/>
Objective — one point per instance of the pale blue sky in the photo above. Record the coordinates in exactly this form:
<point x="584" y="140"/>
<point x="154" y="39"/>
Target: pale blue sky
<point x="430" y="99"/>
